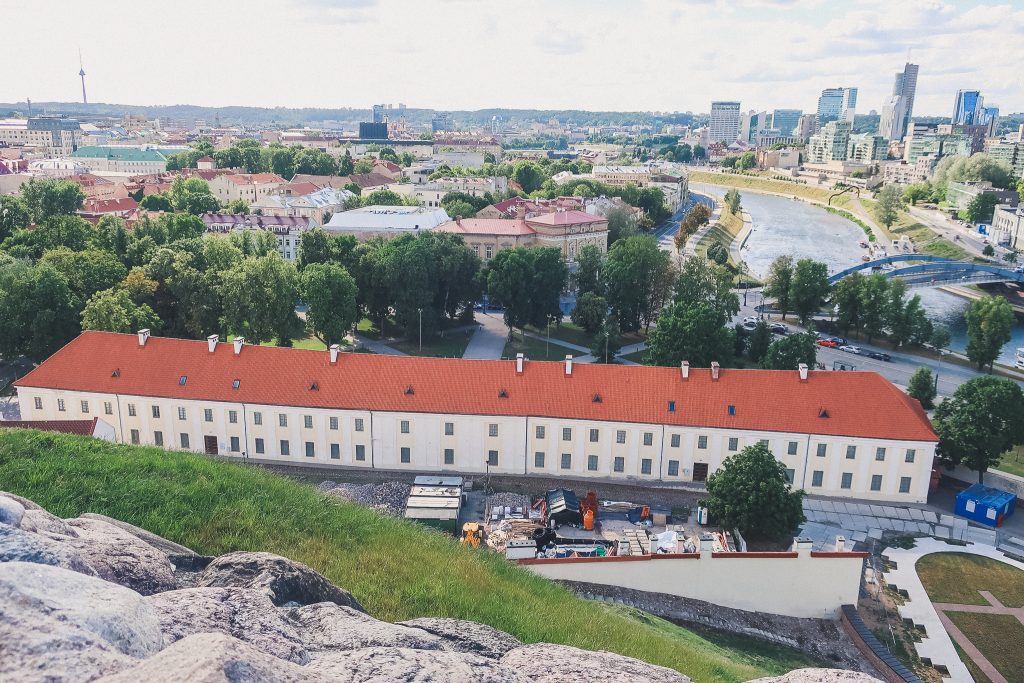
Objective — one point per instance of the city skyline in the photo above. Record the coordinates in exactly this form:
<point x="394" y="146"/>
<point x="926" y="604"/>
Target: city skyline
<point x="394" y="50"/>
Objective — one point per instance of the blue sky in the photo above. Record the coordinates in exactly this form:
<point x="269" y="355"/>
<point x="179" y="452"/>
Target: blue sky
<point x="658" y="55"/>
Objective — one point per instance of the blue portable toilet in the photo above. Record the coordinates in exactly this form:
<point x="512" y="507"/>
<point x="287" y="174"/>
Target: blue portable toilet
<point x="985" y="505"/>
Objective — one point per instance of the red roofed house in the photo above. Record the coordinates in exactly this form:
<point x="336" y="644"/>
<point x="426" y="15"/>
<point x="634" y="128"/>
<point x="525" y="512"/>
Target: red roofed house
<point x="85" y="427"/>
<point x="248" y="186"/>
<point x="567" y="231"/>
<point x="849" y="434"/>
<point x="97" y="208"/>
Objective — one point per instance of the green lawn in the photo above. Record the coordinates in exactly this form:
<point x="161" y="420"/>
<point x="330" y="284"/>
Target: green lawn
<point x="636" y="356"/>
<point x="1012" y="462"/>
<point x="538" y="349"/>
<point x="977" y="674"/>
<point x="573" y="334"/>
<point x="957" y="578"/>
<point x="999" y="637"/>
<point x="927" y="241"/>
<point x="397" y="569"/>
<point x="452" y="345"/>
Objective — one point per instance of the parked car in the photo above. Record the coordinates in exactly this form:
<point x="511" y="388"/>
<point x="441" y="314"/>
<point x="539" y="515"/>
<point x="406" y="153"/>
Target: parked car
<point x="839" y="341"/>
<point x="749" y="326"/>
<point x="827" y="342"/>
<point x="778" y="328"/>
<point x="849" y="348"/>
<point x="750" y="319"/>
<point x="878" y="355"/>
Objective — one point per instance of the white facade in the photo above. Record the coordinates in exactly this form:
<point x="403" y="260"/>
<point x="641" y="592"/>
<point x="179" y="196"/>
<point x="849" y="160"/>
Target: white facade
<point x="725" y="122"/>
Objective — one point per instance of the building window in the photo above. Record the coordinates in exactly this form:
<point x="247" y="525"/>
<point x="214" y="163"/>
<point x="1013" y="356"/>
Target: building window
<point x="39" y="403"/>
<point x="60" y="404"/>
<point x="487" y="252"/>
<point x="619" y="464"/>
<point x="822" y="449"/>
<point x="156" y="412"/>
<point x="235" y="447"/>
<point x="492" y="429"/>
<point x="566" y="461"/>
<point x="307" y="421"/>
<point x="359" y="424"/>
<point x="310" y="449"/>
<point x="876" y="482"/>
<point x="85" y="406"/>
<point x="259" y="446"/>
<point x="282" y="420"/>
<point x="131" y="409"/>
<point x="645" y="466"/>
<point x="847" y="482"/>
<point x="673" y="468"/>
<point x="405" y="426"/>
<point x="904" y="484"/>
<point x="257" y="418"/>
<point x="540" y="431"/>
<point x="817" y="477"/>
<point x="911" y="453"/>
<point x="734" y="443"/>
<point x="184" y="440"/>
<point x="791" y="448"/>
<point x="538" y="459"/>
<point x="158" y="438"/>
<point x="449" y="429"/>
<point x="851" y="452"/>
<point x="135" y="436"/>
<point x="648" y="438"/>
<point x="790" y="474"/>
<point x="233" y="416"/>
<point x="880" y="453"/>
<point x="620" y="436"/>
<point x="566" y="434"/>
<point x="335" y="451"/>
<point x="286" y="447"/>
<point x="702" y="442"/>
<point x="594" y="435"/>
<point x="360" y="452"/>
<point x="332" y="423"/>
<point x="674" y="441"/>
<point x="592" y="463"/>
<point x="208" y="414"/>
<point x="764" y="442"/>
<point x="449" y="456"/>
<point x="406" y="454"/>
<point x="492" y="458"/>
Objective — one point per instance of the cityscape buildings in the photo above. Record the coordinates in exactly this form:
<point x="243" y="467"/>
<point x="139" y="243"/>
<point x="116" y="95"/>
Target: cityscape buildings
<point x="785" y="120"/>
<point x="725" y="122"/>
<point x="837" y="104"/>
<point x="899" y="107"/>
<point x="969" y="108"/>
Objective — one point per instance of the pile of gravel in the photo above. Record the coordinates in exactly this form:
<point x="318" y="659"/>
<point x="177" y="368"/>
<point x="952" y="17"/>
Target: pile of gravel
<point x="511" y="500"/>
<point x="388" y="496"/>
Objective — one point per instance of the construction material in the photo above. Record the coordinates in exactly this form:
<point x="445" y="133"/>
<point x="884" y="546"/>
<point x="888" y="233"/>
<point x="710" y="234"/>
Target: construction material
<point x="388" y="497"/>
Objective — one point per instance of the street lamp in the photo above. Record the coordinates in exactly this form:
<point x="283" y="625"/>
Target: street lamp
<point x="421" y="329"/>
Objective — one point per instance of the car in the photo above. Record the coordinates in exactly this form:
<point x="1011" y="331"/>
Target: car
<point x="849" y="348"/>
<point x="778" y="328"/>
<point x="749" y="326"/>
<point x="839" y="341"/>
<point x="827" y="342"/>
<point x="751" y="319"/>
<point x="1019" y="269"/>
<point x="878" y="355"/>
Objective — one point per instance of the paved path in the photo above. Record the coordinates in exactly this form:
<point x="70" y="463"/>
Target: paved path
<point x="488" y="341"/>
<point x="378" y="346"/>
<point x="969" y="648"/>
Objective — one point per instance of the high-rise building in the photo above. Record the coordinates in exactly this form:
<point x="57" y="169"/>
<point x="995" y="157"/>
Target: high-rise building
<point x="806" y="126"/>
<point x="969" y="108"/>
<point x="751" y="124"/>
<point x="725" y="122"/>
<point x="378" y="113"/>
<point x="837" y="104"/>
<point x="441" y="121"/>
<point x="786" y="120"/>
<point x="830" y="143"/>
<point x="900" y="107"/>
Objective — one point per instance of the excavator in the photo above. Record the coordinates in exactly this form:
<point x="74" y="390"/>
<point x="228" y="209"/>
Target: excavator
<point x="472" y="534"/>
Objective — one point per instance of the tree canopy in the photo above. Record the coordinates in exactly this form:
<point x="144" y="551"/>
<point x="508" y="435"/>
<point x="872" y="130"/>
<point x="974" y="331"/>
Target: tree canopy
<point x="980" y="422"/>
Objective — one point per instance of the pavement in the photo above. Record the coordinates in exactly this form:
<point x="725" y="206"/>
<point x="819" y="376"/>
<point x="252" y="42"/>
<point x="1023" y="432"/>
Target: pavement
<point x="378" y="346"/>
<point x="488" y="341"/>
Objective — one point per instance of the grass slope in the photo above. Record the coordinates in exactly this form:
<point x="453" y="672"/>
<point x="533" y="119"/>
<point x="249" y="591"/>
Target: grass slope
<point x="957" y="578"/>
<point x="998" y="636"/>
<point x="753" y="182"/>
<point x="397" y="569"/>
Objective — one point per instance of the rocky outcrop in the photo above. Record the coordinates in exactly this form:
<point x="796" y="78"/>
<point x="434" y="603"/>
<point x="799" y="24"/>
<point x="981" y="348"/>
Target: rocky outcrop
<point x="544" y="663"/>
<point x="17" y="545"/>
<point x="402" y="665"/>
<point x="820" y="676"/>
<point x="120" y="557"/>
<point x="468" y="636"/>
<point x="328" y="626"/>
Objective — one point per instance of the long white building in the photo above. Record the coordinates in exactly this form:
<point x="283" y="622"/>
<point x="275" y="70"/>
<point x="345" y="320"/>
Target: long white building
<point x="837" y="433"/>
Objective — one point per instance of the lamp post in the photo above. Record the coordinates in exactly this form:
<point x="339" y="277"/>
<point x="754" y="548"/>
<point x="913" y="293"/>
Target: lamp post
<point x="421" y="329"/>
<point x="547" y="340"/>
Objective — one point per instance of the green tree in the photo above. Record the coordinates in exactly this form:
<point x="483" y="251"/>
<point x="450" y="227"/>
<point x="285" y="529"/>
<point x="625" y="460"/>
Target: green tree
<point x="983" y="419"/>
<point x="590" y="271"/>
<point x="638" y="275"/>
<point x="259" y="296"/>
<point x="606" y="344"/>
<point x="63" y="231"/>
<point x="113" y="310"/>
<point x="590" y="312"/>
<point x="788" y="352"/>
<point x="383" y="198"/>
<point x="760" y="340"/>
<point x="46" y="198"/>
<point x="917" y="192"/>
<point x="989" y="321"/>
<point x="718" y="253"/>
<point x="699" y="152"/>
<point x="976" y="167"/>
<point x="156" y="202"/>
<point x="330" y="293"/>
<point x="752" y="493"/>
<point x="621" y="224"/>
<point x="529" y="175"/>
<point x="981" y="208"/>
<point x="14" y="215"/>
<point x="847" y="296"/>
<point x="922" y="387"/>
<point x="38" y="309"/>
<point x="700" y="281"/>
<point x="460" y="210"/>
<point x="809" y="288"/>
<point x="874" y="301"/>
<point x="888" y="205"/>
<point x="315" y="247"/>
<point x="940" y="337"/>
<point x="86" y="272"/>
<point x="692" y="332"/>
<point x="309" y="160"/>
<point x="346" y="166"/>
<point x="732" y="201"/>
<point x="779" y="283"/>
<point x="509" y="278"/>
<point x="362" y="166"/>
<point x="746" y="161"/>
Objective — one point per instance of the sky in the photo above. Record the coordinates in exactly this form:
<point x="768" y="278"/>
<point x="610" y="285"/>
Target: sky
<point x="632" y="55"/>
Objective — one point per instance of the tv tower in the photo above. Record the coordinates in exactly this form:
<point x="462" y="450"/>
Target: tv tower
<point x="81" y="73"/>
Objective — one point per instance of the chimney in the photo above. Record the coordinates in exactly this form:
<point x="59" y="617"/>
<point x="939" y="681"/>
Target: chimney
<point x="803" y="371"/>
<point x="840" y="544"/>
<point x="334" y="353"/>
<point x="803" y="545"/>
<point x="211" y="342"/>
<point x="239" y="341"/>
<point x="143" y="336"/>
<point x="568" y="365"/>
<point x="707" y="544"/>
<point x="684" y="367"/>
<point x="519" y="363"/>
<point x="715" y="368"/>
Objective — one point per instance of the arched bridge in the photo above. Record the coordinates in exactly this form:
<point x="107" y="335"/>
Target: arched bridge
<point x="927" y="271"/>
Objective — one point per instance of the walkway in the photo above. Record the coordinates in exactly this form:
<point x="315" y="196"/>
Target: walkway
<point x="994" y="606"/>
<point x="378" y="346"/>
<point x="488" y="341"/>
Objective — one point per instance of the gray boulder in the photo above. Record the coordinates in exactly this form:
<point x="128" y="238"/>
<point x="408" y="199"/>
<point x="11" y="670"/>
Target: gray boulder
<point x="38" y="520"/>
<point x="243" y="613"/>
<point x="17" y="545"/>
<point x="11" y="511"/>
<point x="390" y="665"/>
<point x="120" y="557"/>
<point x="284" y="580"/>
<point x="326" y="626"/>
<point x="468" y="636"/>
<point x="546" y="663"/>
<point x="820" y="676"/>
<point x="215" y="658"/>
<point x="173" y="550"/>
<point x="60" y="625"/>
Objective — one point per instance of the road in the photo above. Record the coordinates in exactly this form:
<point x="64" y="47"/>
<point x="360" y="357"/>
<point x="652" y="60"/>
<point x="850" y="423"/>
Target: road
<point x="666" y="230"/>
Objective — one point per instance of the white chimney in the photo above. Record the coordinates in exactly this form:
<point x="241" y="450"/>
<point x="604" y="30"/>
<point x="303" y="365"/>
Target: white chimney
<point x="568" y="365"/>
<point x="334" y="353"/>
<point x="143" y="336"/>
<point x="211" y="342"/>
<point x="803" y="371"/>
<point x="239" y="341"/>
<point x="684" y="367"/>
<point x="715" y="368"/>
<point x="519" y="363"/>
<point x="840" y="544"/>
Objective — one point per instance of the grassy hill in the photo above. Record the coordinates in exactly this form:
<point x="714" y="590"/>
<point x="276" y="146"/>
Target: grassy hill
<point x="396" y="569"/>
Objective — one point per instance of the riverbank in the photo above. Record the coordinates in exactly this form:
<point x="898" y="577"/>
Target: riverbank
<point x="975" y="294"/>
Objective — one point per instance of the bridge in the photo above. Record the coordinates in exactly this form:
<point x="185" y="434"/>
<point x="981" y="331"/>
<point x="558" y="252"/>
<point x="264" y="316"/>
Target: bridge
<point x="933" y="271"/>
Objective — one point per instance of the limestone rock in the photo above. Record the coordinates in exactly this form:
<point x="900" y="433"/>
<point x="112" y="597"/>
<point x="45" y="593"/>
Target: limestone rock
<point x="120" y="557"/>
<point x="215" y="658"/>
<point x="17" y="545"/>
<point x="243" y="613"/>
<point x="468" y="636"/>
<point x="546" y="663"/>
<point x="820" y="676"/>
<point x="170" y="548"/>
<point x="11" y="511"/>
<point x="326" y="626"/>
<point x="284" y="580"/>
<point x="60" y="625"/>
<point x="38" y="520"/>
<point x="391" y="665"/>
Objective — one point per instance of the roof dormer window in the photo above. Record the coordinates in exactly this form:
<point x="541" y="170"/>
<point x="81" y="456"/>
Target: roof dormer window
<point x="182" y="380"/>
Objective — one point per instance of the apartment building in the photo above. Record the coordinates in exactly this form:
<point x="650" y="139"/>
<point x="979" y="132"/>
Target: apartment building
<point x="304" y="200"/>
<point x="45" y="135"/>
<point x="1008" y="226"/>
<point x="567" y="231"/>
<point x="122" y="159"/>
<point x="830" y="143"/>
<point x="837" y="433"/>
<point x="287" y="230"/>
<point x="724" y="125"/>
<point x="251" y="187"/>
<point x="620" y="176"/>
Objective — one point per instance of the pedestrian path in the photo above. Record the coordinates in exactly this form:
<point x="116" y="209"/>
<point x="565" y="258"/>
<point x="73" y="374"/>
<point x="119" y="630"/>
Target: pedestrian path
<point x="378" y="346"/>
<point x="488" y="342"/>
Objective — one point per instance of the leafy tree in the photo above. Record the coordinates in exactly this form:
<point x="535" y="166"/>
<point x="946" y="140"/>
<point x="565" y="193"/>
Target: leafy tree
<point x="316" y="162"/>
<point x="718" y="253"/>
<point x="315" y="247"/>
<point x="779" y="283"/>
<point x="606" y="342"/>
<point x="689" y="331"/>
<point x="732" y="200"/>
<point x="786" y="353"/>
<point x="989" y="321"/>
<point x="460" y="210"/>
<point x="638" y="275"/>
<point x="237" y="206"/>
<point x="699" y="152"/>
<point x="695" y="218"/>
<point x="383" y="198"/>
<point x="529" y="175"/>
<point x="259" y="296"/>
<point x="941" y="337"/>
<point x="590" y="271"/>
<point x="38" y="309"/>
<point x="752" y="493"/>
<point x="906" y="318"/>
<point x="509" y="277"/>
<point x="590" y="312"/>
<point x="86" y="272"/>
<point x="980" y="209"/>
<point x="620" y="224"/>
<point x="156" y="202"/>
<point x="989" y="251"/>
<point x="874" y="299"/>
<point x="983" y="419"/>
<point x="113" y="310"/>
<point x="220" y="253"/>
<point x="729" y="162"/>
<point x="187" y="298"/>
<point x="916" y="192"/>
<point x="700" y="281"/>
<point x="550" y="276"/>
<point x="46" y="198"/>
<point x="976" y="167"/>
<point x="362" y="166"/>
<point x="848" y="297"/>
<point x="330" y="293"/>
<point x="197" y="203"/>
<point x="809" y="288"/>
<point x="888" y="204"/>
<point x="746" y="161"/>
<point x="14" y="215"/>
<point x="63" y="231"/>
<point x="922" y="387"/>
<point x="760" y="340"/>
<point x="140" y="288"/>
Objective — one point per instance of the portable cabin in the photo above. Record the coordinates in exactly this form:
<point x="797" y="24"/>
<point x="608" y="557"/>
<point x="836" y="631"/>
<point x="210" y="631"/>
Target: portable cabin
<point x="564" y="507"/>
<point x="985" y="505"/>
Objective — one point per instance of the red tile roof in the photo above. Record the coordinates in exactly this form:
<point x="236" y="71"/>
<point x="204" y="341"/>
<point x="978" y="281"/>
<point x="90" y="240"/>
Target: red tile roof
<point x="858" y="404"/>
<point x="365" y="180"/>
<point x="84" y="427"/>
<point x="487" y="226"/>
<point x="254" y="178"/>
<point x="122" y="205"/>
<point x="567" y="218"/>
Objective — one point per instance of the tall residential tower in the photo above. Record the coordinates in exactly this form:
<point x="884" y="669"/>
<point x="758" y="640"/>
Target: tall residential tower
<point x="725" y="122"/>
<point x="899" y="108"/>
<point x="837" y="104"/>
